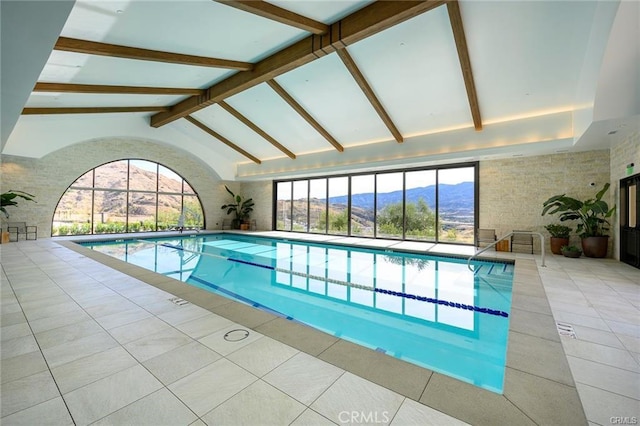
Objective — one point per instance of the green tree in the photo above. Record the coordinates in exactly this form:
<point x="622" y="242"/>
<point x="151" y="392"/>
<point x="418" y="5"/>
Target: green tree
<point x="337" y="221"/>
<point x="419" y="220"/>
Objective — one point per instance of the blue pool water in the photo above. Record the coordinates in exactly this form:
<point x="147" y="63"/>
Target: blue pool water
<point x="430" y="311"/>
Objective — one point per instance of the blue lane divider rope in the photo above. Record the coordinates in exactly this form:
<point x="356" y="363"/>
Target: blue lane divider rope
<point x="480" y="309"/>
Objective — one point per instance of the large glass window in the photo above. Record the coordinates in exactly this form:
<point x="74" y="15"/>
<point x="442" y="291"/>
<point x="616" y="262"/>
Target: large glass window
<point x="283" y="207"/>
<point x="338" y="216"/>
<point x="390" y="205"/>
<point x="362" y="205"/>
<point x="456" y="200"/>
<point x="435" y="204"/>
<point x="300" y="206"/>
<point x="127" y="196"/>
<point x="318" y="205"/>
<point x="420" y="205"/>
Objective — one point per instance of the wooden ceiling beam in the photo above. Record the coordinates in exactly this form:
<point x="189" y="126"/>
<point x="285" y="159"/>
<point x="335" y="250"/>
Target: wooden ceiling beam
<point x="221" y="138"/>
<point x="304" y="114"/>
<point x="103" y="49"/>
<point x="91" y="110"/>
<point x="465" y="62"/>
<point x="256" y="129"/>
<point x="369" y="93"/>
<point x="278" y="14"/>
<point x="363" y="23"/>
<point x="127" y="90"/>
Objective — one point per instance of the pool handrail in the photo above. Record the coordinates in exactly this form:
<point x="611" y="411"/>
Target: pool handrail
<point x="505" y="237"/>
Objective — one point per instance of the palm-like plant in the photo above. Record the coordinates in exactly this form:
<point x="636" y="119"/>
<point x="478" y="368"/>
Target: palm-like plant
<point x="592" y="214"/>
<point x="241" y="207"/>
<point x="8" y="199"/>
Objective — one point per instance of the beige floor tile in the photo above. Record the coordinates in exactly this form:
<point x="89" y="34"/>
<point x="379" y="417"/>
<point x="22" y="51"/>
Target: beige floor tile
<point x="67" y="334"/>
<point x="351" y="393"/>
<point x="83" y="371"/>
<point x="156" y="344"/>
<point x="18" y="346"/>
<point x="303" y="377"/>
<point x="622" y="382"/>
<point x="186" y="313"/>
<point x="49" y="413"/>
<point x="12" y="318"/>
<point x="180" y="362"/>
<point x="600" y="337"/>
<point x="26" y="392"/>
<point x="275" y="408"/>
<point x="312" y="418"/>
<point x="262" y="356"/>
<point x="161" y="408"/>
<point x="46" y="312"/>
<point x="225" y="346"/>
<point x="203" y="326"/>
<point x="22" y="366"/>
<point x="86" y="346"/>
<point x="624" y="328"/>
<point x="123" y="318"/>
<point x="14" y="331"/>
<point x="619" y="358"/>
<point x="600" y="406"/>
<point x="101" y="398"/>
<point x="59" y="321"/>
<point x="138" y="329"/>
<point x="413" y="413"/>
<point x="210" y="386"/>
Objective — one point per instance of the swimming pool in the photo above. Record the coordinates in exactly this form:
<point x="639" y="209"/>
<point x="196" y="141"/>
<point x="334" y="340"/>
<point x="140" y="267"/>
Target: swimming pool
<point x="430" y="311"/>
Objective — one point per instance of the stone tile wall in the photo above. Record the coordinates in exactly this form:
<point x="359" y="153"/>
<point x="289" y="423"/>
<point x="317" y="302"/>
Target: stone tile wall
<point x="512" y="190"/>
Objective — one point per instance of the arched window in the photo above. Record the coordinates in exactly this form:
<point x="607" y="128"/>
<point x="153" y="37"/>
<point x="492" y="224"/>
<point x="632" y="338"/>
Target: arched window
<point x="127" y="196"/>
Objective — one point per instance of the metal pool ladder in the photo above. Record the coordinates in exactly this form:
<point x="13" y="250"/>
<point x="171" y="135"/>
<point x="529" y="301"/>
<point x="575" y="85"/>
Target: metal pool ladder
<point x="505" y="237"/>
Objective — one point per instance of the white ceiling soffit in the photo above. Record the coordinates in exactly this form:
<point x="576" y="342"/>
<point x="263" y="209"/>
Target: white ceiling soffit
<point x="535" y="67"/>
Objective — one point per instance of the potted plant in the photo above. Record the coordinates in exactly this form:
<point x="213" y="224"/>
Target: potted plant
<point x="571" y="251"/>
<point x="591" y="214"/>
<point x="242" y="207"/>
<point x="559" y="236"/>
<point x="9" y="199"/>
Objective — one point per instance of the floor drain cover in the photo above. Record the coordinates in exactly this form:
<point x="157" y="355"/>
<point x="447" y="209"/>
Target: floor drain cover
<point x="566" y="330"/>
<point x="236" y="335"/>
<point x="178" y="301"/>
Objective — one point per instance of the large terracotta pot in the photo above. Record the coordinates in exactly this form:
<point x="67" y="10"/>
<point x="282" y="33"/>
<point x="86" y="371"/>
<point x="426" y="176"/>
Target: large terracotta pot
<point x="595" y="246"/>
<point x="557" y="243"/>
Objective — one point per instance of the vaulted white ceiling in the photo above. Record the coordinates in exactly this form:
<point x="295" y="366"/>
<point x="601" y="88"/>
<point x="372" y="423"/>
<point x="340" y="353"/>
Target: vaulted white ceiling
<point x="537" y="68"/>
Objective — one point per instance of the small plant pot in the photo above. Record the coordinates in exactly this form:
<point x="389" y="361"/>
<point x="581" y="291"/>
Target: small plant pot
<point x="557" y="243"/>
<point x="572" y="254"/>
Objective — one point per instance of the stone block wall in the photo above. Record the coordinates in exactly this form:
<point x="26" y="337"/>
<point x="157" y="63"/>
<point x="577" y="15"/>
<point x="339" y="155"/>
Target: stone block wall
<point x="512" y="190"/>
<point x="262" y="194"/>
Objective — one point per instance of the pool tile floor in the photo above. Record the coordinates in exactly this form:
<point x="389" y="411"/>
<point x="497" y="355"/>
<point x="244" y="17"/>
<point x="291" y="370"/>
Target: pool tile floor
<point x="84" y="343"/>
